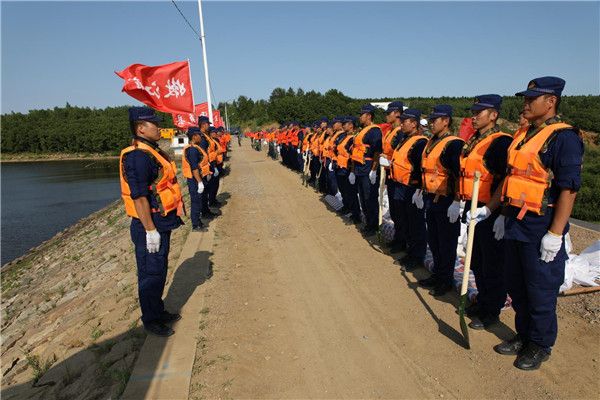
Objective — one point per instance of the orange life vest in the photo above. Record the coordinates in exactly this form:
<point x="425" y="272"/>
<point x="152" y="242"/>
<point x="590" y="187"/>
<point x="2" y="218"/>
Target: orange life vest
<point x="528" y="180"/>
<point x="212" y="148"/>
<point x="435" y="175"/>
<point x="204" y="164"/>
<point x="388" y="139"/>
<point x="343" y="156"/>
<point x="314" y="145"/>
<point x="294" y="138"/>
<point x="327" y="147"/>
<point x="474" y="162"/>
<point x="359" y="149"/>
<point x="401" y="165"/>
<point x="306" y="142"/>
<point x="220" y="151"/>
<point x="332" y="147"/>
<point x="165" y="187"/>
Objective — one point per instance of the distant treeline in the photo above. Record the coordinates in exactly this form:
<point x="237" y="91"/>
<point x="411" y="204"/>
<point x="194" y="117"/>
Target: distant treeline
<point x="68" y="130"/>
<point x="305" y="107"/>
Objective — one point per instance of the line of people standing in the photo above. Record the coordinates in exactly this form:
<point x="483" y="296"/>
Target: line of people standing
<point x="529" y="181"/>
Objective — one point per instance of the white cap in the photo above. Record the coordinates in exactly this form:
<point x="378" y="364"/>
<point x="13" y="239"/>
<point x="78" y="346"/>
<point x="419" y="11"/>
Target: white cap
<point x="423" y="122"/>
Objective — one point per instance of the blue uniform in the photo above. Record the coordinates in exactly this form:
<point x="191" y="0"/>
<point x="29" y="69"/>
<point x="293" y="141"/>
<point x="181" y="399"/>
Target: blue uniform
<point x="399" y="237"/>
<point x="532" y="283"/>
<point x="442" y="235"/>
<point x="368" y="192"/>
<point x="141" y="171"/>
<point x="411" y="220"/>
<point x="487" y="261"/>
<point x="194" y="157"/>
<point x="349" y="192"/>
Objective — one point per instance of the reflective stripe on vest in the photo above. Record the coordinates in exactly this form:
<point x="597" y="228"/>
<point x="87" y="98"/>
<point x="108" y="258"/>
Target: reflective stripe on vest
<point x="204" y="164"/>
<point x="165" y="187"/>
<point x="435" y="175"/>
<point x="401" y="165"/>
<point x="474" y="162"/>
<point x="388" y="150"/>
<point x="528" y="180"/>
<point x="359" y="149"/>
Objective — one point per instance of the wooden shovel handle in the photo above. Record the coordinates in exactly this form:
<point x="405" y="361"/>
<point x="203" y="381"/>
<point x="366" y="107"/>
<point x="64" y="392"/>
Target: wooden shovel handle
<point x="470" y="235"/>
<point x="581" y="290"/>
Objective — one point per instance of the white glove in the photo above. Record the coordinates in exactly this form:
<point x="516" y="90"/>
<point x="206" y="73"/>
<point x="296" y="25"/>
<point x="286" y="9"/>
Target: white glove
<point x="550" y="246"/>
<point x="352" y="178"/>
<point x="304" y="157"/>
<point x="498" y="227"/>
<point x="383" y="161"/>
<point x="454" y="210"/>
<point x="298" y="150"/>
<point x="208" y="177"/>
<point x="417" y="199"/>
<point x="200" y="187"/>
<point x="338" y="196"/>
<point x="216" y="173"/>
<point x="372" y="177"/>
<point x="279" y="149"/>
<point x="152" y="241"/>
<point x="480" y="214"/>
<point x="330" y="166"/>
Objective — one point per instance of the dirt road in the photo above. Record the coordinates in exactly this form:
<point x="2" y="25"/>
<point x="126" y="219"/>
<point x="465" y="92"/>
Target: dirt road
<point x="302" y="306"/>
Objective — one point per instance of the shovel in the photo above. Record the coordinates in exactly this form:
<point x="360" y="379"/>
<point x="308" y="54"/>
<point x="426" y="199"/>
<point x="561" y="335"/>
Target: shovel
<point x="380" y="237"/>
<point x="465" y="280"/>
<point x="317" y="186"/>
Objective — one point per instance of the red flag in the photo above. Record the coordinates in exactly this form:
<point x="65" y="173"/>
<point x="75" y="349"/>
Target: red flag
<point x="201" y="110"/>
<point x="217" y="120"/>
<point x="166" y="88"/>
<point x="466" y="129"/>
<point x="184" y="120"/>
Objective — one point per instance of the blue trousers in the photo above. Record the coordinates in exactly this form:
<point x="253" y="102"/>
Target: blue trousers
<point x="196" y="201"/>
<point x="533" y="287"/>
<point x="152" y="273"/>
<point x="412" y="222"/>
<point x="368" y="194"/>
<point x="213" y="185"/>
<point x="399" y="236"/>
<point x="315" y="165"/>
<point x="332" y="187"/>
<point x="487" y="263"/>
<point x="349" y="193"/>
<point x="443" y="239"/>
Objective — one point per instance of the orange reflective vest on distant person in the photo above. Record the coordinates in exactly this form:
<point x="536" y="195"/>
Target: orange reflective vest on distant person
<point x="359" y="149"/>
<point x="528" y="180"/>
<point x="204" y="164"/>
<point x="343" y="154"/>
<point x="435" y="175"/>
<point x="402" y="168"/>
<point x="165" y="188"/>
<point x="474" y="162"/>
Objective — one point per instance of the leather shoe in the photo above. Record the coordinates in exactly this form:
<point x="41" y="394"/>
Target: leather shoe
<point x="472" y="311"/>
<point x="199" y="229"/>
<point x="511" y="347"/>
<point x="398" y="248"/>
<point x="430" y="282"/>
<point x="403" y="260"/>
<point x="158" y="329"/>
<point x="484" y="321"/>
<point x="531" y="357"/>
<point x="441" y="289"/>
<point x="356" y="220"/>
<point x="208" y="214"/>
<point x="369" y="230"/>
<point x="168" y="318"/>
<point x="216" y="203"/>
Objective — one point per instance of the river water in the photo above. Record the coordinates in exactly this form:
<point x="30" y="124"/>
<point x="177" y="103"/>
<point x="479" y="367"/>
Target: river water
<point x="40" y="199"/>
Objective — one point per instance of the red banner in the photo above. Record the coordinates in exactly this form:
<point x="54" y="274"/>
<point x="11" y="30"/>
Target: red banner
<point x="165" y="88"/>
<point x="184" y="120"/>
<point x="466" y="129"/>
<point x="201" y="110"/>
<point x="217" y="120"/>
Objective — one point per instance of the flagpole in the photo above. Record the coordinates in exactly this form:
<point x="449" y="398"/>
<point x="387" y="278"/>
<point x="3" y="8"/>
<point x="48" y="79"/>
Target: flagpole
<point x="203" y="40"/>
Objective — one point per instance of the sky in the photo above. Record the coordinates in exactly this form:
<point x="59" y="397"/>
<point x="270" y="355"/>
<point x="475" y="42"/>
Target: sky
<point x="58" y="52"/>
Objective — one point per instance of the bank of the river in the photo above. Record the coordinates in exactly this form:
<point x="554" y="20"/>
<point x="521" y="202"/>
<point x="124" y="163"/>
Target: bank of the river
<point x="23" y="157"/>
<point x="70" y="312"/>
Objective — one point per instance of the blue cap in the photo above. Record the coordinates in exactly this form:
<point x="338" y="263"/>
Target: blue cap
<point x="202" y="119"/>
<point x="411" y="113"/>
<point x="281" y="126"/>
<point x="486" y="101"/>
<point x="212" y="129"/>
<point x="193" y="130"/>
<point x="443" y="110"/>
<point x="220" y="129"/>
<point x="294" y="123"/>
<point x="395" y="106"/>
<point x="339" y="118"/>
<point x="143" y="114"/>
<point x="307" y="125"/>
<point x="367" y="108"/>
<point x="330" y="125"/>
<point x="543" y="85"/>
<point x="350" y="118"/>
<point x="324" y="119"/>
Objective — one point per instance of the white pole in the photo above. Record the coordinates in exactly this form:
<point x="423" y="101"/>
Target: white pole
<point x="226" y="118"/>
<point x="210" y="116"/>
